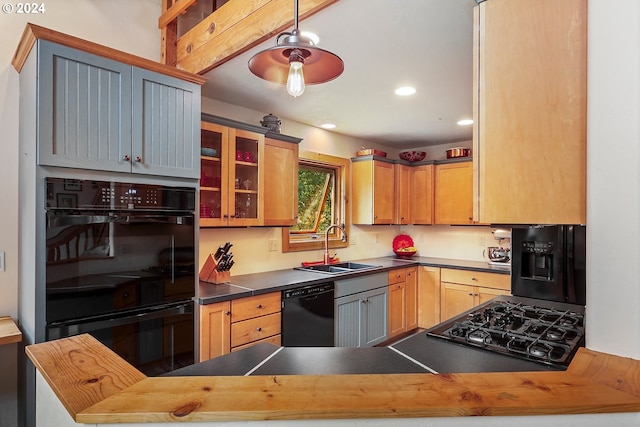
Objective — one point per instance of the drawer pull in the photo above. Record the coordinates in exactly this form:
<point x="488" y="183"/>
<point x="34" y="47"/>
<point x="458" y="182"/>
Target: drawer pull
<point x="259" y="329"/>
<point x="259" y="306"/>
<point x="474" y="279"/>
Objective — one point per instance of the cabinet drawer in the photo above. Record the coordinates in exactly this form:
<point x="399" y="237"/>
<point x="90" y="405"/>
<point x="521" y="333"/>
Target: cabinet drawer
<point x="275" y="340"/>
<point x="259" y="305"/>
<point x="476" y="278"/>
<point x="255" y="329"/>
<point x="397" y="276"/>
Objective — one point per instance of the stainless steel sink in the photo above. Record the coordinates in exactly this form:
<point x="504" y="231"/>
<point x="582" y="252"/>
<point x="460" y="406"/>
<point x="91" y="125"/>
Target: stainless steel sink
<point x="342" y="267"/>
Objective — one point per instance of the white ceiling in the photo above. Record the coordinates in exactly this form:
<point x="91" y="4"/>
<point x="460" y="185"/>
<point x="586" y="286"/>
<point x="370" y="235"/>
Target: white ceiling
<point x="384" y="44"/>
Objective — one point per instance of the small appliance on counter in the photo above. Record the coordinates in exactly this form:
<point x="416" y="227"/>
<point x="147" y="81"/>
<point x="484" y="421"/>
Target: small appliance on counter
<point x="499" y="256"/>
<point x="549" y="263"/>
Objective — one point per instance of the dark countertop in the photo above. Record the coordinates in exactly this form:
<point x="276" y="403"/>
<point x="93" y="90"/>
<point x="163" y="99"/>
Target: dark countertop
<point x="279" y="280"/>
<point x="416" y="354"/>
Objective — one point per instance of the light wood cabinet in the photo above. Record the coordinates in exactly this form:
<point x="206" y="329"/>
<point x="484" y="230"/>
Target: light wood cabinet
<point x="373" y="192"/>
<point x="461" y="290"/>
<point x="454" y="193"/>
<point x="230" y="179"/>
<point x="215" y="330"/>
<point x="232" y="325"/>
<point x="402" y="182"/>
<point x="247" y="179"/>
<point x="530" y="91"/>
<point x="280" y="183"/>
<point x="422" y="200"/>
<point x="403" y="301"/>
<point x="428" y="296"/>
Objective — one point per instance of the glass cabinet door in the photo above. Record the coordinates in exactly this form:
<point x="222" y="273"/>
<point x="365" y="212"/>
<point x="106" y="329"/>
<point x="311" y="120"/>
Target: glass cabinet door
<point x="246" y="150"/>
<point x="214" y="181"/>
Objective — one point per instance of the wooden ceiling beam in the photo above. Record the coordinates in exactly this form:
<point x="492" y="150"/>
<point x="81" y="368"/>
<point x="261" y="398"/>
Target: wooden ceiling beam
<point x="237" y="27"/>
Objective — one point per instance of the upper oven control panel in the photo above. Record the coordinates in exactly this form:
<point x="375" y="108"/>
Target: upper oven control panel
<point x="73" y="194"/>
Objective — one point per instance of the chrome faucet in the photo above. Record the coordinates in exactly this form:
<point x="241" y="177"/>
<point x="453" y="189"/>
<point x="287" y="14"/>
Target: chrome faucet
<point x="326" y="240"/>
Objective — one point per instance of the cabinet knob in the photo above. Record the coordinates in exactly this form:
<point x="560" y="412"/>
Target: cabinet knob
<point x="228" y="313"/>
<point x="125" y="295"/>
<point x="259" y="329"/>
<point x="259" y="306"/>
<point x="470" y="294"/>
<point x="474" y="279"/>
<point x="364" y="301"/>
<point x="126" y="158"/>
<point x="137" y="159"/>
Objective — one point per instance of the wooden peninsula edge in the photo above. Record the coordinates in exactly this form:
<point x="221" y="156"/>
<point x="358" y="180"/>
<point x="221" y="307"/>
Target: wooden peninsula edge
<point x="97" y="386"/>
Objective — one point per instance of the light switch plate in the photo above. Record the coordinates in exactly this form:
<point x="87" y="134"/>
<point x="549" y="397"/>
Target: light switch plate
<point x="273" y="245"/>
<point x="1" y="260"/>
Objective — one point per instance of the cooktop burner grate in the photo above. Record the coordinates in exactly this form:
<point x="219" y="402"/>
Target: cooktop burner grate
<point x="536" y="330"/>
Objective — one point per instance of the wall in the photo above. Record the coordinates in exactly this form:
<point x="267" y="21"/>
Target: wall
<point x="121" y="24"/>
<point x="613" y="173"/>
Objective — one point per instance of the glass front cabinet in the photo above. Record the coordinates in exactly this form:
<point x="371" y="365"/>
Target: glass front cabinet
<point x="235" y="177"/>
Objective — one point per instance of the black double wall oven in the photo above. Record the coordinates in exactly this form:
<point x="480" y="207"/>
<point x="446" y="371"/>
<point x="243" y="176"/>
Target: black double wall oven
<point x="121" y="267"/>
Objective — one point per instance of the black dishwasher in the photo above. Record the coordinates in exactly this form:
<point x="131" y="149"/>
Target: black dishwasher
<point x="308" y="316"/>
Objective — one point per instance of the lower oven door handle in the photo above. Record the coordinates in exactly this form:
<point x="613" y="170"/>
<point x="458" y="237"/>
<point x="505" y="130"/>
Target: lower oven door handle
<point x="76" y="327"/>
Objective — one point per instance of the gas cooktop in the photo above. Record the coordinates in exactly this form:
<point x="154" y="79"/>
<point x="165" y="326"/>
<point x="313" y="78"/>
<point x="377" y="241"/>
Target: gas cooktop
<point x="537" y="330"/>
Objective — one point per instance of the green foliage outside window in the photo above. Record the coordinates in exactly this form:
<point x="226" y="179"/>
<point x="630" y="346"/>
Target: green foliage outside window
<point x="315" y="195"/>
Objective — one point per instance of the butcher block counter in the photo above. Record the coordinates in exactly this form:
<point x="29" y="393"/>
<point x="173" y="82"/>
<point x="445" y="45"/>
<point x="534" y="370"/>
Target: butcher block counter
<point x="97" y="386"/>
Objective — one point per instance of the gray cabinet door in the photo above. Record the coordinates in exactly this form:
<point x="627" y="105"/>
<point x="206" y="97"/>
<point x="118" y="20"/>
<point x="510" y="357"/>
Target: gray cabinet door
<point x="374" y="323"/>
<point x="348" y="319"/>
<point x="361" y="319"/>
<point x="84" y="109"/>
<point x="166" y="132"/>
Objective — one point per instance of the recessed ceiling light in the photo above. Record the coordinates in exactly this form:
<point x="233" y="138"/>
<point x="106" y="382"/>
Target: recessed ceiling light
<point x="465" y="122"/>
<point x="328" y="126"/>
<point x="405" y="91"/>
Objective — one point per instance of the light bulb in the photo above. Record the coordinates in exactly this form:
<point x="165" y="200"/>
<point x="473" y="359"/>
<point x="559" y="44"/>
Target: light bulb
<point x="295" y="81"/>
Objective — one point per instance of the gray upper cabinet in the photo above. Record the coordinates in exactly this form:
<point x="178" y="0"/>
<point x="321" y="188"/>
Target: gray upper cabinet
<point x="100" y="114"/>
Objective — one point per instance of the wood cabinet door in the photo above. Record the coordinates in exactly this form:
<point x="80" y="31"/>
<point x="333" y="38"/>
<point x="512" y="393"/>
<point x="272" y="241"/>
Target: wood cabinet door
<point x="422" y="194"/>
<point x="456" y="299"/>
<point x="397" y="309"/>
<point x="411" y="299"/>
<point x="454" y="193"/>
<point x="373" y="193"/>
<point x="280" y="194"/>
<point x="214" y="175"/>
<point x="383" y="193"/>
<point x="166" y="125"/>
<point x="485" y="294"/>
<point x="403" y="194"/>
<point x="246" y="178"/>
<point x="428" y="296"/>
<point x="215" y="330"/>
<point x="530" y="115"/>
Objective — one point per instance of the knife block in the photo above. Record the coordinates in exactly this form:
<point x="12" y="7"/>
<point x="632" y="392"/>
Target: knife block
<point x="210" y="274"/>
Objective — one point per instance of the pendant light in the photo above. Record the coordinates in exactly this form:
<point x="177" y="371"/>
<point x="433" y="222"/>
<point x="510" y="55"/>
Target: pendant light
<point x="296" y="61"/>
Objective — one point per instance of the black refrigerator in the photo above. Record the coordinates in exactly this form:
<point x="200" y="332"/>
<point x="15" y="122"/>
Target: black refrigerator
<point x="548" y="262"/>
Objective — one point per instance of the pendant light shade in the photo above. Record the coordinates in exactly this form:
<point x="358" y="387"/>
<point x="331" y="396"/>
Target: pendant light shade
<point x="296" y="61"/>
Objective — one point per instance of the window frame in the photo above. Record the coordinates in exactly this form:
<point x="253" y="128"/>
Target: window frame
<point x="342" y="167"/>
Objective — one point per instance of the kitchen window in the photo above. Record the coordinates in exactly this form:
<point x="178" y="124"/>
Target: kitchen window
<point x="322" y="189"/>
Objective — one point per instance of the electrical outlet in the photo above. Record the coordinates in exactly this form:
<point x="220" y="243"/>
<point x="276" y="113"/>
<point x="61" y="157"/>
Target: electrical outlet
<point x="421" y="237"/>
<point x="126" y="248"/>
<point x="482" y="241"/>
<point x="353" y="240"/>
<point x="273" y="245"/>
<point x="2" y="261"/>
<point x="377" y="238"/>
